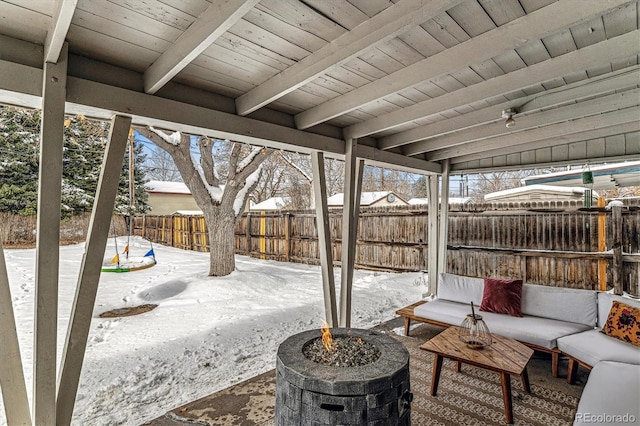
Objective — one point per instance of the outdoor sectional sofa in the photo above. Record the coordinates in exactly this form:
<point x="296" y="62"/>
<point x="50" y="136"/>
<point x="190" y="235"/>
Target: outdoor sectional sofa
<point x="557" y="321"/>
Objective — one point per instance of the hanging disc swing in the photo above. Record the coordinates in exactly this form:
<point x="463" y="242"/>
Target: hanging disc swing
<point x="130" y="263"/>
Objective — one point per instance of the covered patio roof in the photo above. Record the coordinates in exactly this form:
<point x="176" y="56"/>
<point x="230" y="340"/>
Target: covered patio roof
<point x="416" y="82"/>
<point x="424" y="86"/>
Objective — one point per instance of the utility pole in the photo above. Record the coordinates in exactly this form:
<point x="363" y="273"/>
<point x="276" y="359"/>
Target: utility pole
<point x="132" y="184"/>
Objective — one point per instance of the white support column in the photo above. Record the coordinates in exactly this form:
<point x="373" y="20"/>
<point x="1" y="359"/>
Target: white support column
<point x="444" y="217"/>
<point x="89" y="276"/>
<point x="432" y="232"/>
<point x="353" y="233"/>
<point x="350" y="207"/>
<point x="324" y="238"/>
<point x="48" y="241"/>
<point x="14" y="391"/>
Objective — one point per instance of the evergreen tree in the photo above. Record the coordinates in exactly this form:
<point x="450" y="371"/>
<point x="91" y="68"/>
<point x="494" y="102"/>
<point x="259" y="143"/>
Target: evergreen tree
<point x="19" y="139"/>
<point x="84" y="145"/>
<point x="123" y="201"/>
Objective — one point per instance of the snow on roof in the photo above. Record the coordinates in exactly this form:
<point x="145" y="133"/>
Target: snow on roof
<point x="163" y="187"/>
<point x="366" y="198"/>
<point x="273" y="203"/>
<point x="452" y="200"/>
<point x="532" y="189"/>
<point x="188" y="212"/>
<point x="605" y="176"/>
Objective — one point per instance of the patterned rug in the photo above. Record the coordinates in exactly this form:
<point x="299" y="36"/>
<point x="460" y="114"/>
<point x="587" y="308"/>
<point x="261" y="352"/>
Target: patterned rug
<point x="474" y="397"/>
<point x="471" y="397"/>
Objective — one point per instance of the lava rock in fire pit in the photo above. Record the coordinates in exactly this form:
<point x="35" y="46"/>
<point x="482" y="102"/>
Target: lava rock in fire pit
<point x="346" y="351"/>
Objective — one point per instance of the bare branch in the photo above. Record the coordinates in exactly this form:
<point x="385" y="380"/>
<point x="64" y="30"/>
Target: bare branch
<point x="206" y="161"/>
<point x="233" y="161"/>
<point x="257" y="156"/>
<point x="248" y="159"/>
<point x="295" y="166"/>
<point x="242" y="195"/>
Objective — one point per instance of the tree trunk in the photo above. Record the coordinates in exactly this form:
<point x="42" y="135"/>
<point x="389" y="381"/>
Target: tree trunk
<point x="221" y="244"/>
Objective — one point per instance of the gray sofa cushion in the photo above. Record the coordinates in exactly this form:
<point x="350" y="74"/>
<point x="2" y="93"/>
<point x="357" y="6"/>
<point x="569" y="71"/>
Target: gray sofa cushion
<point x="538" y="331"/>
<point x="613" y="389"/>
<point x="457" y="288"/>
<point x="604" y="305"/>
<point x="565" y="304"/>
<point x="593" y="346"/>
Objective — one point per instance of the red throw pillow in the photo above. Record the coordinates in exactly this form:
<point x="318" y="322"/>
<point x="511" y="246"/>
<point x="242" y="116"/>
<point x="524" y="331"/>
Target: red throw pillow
<point x="502" y="297"/>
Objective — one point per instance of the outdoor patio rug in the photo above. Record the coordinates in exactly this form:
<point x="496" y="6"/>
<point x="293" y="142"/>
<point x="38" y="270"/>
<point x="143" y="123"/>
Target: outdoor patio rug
<point x="471" y="397"/>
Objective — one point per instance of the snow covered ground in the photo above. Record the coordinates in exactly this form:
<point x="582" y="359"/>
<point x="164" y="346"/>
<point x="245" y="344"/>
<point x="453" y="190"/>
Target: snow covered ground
<point x="206" y="334"/>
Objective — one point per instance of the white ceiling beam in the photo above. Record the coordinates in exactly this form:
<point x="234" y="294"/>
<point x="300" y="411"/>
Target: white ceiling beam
<point x="632" y="126"/>
<point x="379" y="29"/>
<point x="211" y="24"/>
<point x="618" y="47"/>
<point x="557" y="130"/>
<point x="24" y="85"/>
<point x="103" y="101"/>
<point x="577" y="91"/>
<point x="63" y="11"/>
<point x="533" y="26"/>
<point x="379" y="158"/>
<point x="523" y="123"/>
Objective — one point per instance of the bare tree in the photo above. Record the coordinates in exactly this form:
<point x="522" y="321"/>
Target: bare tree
<point x="272" y="180"/>
<point x="381" y="179"/>
<point x="498" y="181"/>
<point x="221" y="197"/>
<point x="299" y="180"/>
<point x="160" y="166"/>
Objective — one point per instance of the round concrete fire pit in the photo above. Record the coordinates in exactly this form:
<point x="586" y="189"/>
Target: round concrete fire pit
<point x="309" y="392"/>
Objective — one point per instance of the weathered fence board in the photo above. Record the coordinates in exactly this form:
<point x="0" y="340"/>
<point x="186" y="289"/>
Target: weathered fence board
<point x="557" y="248"/>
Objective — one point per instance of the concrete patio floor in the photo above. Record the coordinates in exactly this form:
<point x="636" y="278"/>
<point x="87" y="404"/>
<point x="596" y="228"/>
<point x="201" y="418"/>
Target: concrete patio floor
<point x="251" y="403"/>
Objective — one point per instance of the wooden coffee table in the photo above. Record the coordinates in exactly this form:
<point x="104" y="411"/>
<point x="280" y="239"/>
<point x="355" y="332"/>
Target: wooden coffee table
<point x="505" y="356"/>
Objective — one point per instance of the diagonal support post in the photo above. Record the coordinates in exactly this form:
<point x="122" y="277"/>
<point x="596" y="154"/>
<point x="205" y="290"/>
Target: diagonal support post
<point x="85" y="297"/>
<point x="14" y="390"/>
<point x="54" y="93"/>
<point x="443" y="229"/>
<point x="353" y="169"/>
<point x="432" y="233"/>
<point x="324" y="238"/>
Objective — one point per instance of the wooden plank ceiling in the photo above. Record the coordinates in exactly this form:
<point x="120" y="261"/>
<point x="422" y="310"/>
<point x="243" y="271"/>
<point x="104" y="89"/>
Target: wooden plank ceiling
<point x="416" y="81"/>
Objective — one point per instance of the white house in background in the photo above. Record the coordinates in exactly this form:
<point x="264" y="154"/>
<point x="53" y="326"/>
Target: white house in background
<point x="540" y="193"/>
<point x="370" y="199"/>
<point x="168" y="197"/>
<point x="607" y="176"/>
<point x="270" y="204"/>
<point x="452" y="200"/>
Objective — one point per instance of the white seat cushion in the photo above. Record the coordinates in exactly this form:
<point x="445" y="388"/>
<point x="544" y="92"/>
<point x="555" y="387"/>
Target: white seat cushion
<point x="593" y="346"/>
<point x="551" y="302"/>
<point x="611" y="395"/>
<point x="538" y="331"/>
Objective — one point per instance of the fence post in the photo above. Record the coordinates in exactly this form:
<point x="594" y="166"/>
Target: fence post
<point x="602" y="246"/>
<point x="287" y="236"/>
<point x="192" y="234"/>
<point x="263" y="231"/>
<point x="175" y="239"/>
<point x="247" y="233"/>
<point x="616" y="223"/>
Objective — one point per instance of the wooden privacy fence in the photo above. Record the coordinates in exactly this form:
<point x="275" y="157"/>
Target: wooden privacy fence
<point x="577" y="249"/>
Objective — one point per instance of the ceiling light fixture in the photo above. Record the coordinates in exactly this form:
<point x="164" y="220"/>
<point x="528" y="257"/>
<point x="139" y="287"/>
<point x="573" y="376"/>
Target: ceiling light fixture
<point x="508" y="114"/>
